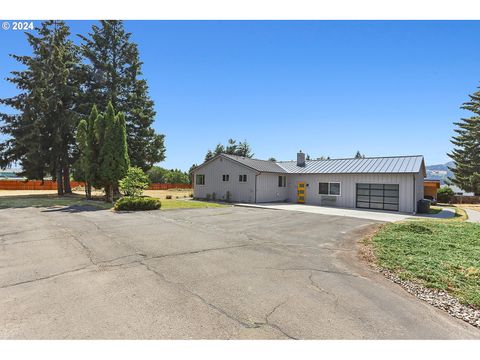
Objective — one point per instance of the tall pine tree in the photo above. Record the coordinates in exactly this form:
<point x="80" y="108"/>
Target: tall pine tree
<point x="113" y="74"/>
<point x="41" y="130"/>
<point x="466" y="154"/>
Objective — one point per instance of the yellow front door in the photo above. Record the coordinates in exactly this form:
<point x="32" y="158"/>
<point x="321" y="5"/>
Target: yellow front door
<point x="301" y="192"/>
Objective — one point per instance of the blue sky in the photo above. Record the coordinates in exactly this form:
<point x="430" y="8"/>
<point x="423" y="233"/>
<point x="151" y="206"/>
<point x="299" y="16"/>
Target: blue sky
<point x="325" y="87"/>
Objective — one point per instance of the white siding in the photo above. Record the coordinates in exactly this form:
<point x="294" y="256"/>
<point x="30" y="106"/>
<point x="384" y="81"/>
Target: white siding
<point x="348" y="188"/>
<point x="268" y="190"/>
<point x="213" y="171"/>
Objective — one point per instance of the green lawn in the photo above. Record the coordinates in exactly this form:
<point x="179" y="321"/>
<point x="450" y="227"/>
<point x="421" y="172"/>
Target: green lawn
<point x="188" y="204"/>
<point x="442" y="254"/>
<point x="24" y="201"/>
<point x="75" y="200"/>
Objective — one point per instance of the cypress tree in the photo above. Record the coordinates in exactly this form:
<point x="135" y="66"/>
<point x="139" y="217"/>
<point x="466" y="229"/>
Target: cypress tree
<point x="41" y="132"/>
<point x="113" y="74"/>
<point x="466" y="154"/>
<point x="113" y="155"/>
<point x="89" y="151"/>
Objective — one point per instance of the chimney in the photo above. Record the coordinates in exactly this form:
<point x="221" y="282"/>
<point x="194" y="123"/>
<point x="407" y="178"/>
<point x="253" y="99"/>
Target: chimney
<point x="300" y="159"/>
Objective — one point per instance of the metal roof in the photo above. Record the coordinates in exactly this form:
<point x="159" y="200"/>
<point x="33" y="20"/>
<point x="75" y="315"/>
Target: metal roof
<point x="373" y="165"/>
<point x="259" y="165"/>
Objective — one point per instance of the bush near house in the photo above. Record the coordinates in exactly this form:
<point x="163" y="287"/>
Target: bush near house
<point x="129" y="203"/>
<point x="134" y="183"/>
<point x="445" y="194"/>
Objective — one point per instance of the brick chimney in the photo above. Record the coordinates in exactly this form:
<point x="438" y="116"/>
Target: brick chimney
<point x="300" y="159"/>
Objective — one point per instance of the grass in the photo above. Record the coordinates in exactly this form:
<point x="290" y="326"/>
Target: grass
<point x="188" y="204"/>
<point x="50" y="200"/>
<point x="77" y="200"/>
<point x="441" y="254"/>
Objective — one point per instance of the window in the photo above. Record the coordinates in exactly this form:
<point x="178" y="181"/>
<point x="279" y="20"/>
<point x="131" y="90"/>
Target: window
<point x="226" y="177"/>
<point x="242" y="178"/>
<point x="329" y="188"/>
<point x="282" y="181"/>
<point x="200" y="179"/>
<point x="335" y="188"/>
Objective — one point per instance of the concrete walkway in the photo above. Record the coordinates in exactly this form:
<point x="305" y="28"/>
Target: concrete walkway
<point x="355" y="213"/>
<point x="473" y="215"/>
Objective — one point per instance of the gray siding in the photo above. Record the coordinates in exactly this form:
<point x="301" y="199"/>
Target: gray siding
<point x="419" y="187"/>
<point x="268" y="190"/>
<point x="348" y="188"/>
<point x="213" y="171"/>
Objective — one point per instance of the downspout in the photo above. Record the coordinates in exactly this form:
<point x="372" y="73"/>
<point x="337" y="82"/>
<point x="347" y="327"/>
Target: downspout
<point x="256" y="175"/>
<point x="414" y="195"/>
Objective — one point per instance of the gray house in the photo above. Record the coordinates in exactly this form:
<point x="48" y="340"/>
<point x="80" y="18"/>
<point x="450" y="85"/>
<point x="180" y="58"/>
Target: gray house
<point x="382" y="183"/>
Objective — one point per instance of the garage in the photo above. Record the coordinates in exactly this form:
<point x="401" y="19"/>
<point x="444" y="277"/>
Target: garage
<point x="377" y="196"/>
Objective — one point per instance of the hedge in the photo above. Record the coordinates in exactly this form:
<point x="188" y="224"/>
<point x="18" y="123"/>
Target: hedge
<point x="137" y="203"/>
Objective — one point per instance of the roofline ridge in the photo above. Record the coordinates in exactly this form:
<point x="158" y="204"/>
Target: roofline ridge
<point x="352" y="158"/>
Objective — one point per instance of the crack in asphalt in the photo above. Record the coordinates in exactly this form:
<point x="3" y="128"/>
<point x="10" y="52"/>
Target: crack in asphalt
<point x="198" y="251"/>
<point x="44" y="277"/>
<point x="201" y="298"/>
<point x="319" y="270"/>
<point x="247" y="325"/>
<point x="275" y="326"/>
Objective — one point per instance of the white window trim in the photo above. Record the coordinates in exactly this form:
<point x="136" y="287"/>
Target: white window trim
<point x="330" y="182"/>
<point x="203" y="180"/>
<point x="242" y="175"/>
<point x="226" y="175"/>
<point x="284" y="181"/>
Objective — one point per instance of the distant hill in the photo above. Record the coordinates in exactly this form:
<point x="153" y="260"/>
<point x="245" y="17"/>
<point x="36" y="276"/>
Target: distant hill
<point x="440" y="171"/>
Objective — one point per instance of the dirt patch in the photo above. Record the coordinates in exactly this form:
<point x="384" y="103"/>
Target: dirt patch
<point x="365" y="246"/>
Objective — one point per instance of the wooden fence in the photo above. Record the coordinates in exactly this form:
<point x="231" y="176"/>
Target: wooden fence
<point x="466" y="199"/>
<point x="52" y="185"/>
<point x="157" y="186"/>
<point x="33" y="185"/>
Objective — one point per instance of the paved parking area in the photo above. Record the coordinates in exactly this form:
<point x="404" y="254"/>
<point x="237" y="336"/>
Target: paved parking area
<point x="225" y="273"/>
<point x="376" y="215"/>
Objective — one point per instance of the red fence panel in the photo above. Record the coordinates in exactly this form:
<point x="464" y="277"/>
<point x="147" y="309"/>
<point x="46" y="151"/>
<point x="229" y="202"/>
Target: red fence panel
<point x="156" y="186"/>
<point x="52" y="185"/>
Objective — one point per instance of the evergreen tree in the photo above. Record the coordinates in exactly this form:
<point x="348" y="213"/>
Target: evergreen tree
<point x="466" y="154"/>
<point x="113" y="74"/>
<point x="272" y="159"/>
<point x="232" y="148"/>
<point x="244" y="150"/>
<point x="41" y="132"/>
<point x="359" y="155"/>
<point x="113" y="159"/>
<point x="89" y="152"/>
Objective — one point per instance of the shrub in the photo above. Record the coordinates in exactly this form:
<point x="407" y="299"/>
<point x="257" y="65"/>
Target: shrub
<point x="445" y="194"/>
<point x="214" y="196"/>
<point x="208" y="197"/>
<point x="191" y="195"/>
<point x="134" y="182"/>
<point x="129" y="203"/>
<point x="168" y="197"/>
<point x="228" y="196"/>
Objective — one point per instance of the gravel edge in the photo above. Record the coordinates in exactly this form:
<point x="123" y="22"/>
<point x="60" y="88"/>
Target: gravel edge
<point x="438" y="298"/>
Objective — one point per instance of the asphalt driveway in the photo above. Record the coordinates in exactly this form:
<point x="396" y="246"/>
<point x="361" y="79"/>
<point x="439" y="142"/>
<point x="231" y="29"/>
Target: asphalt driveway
<point x="227" y="273"/>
